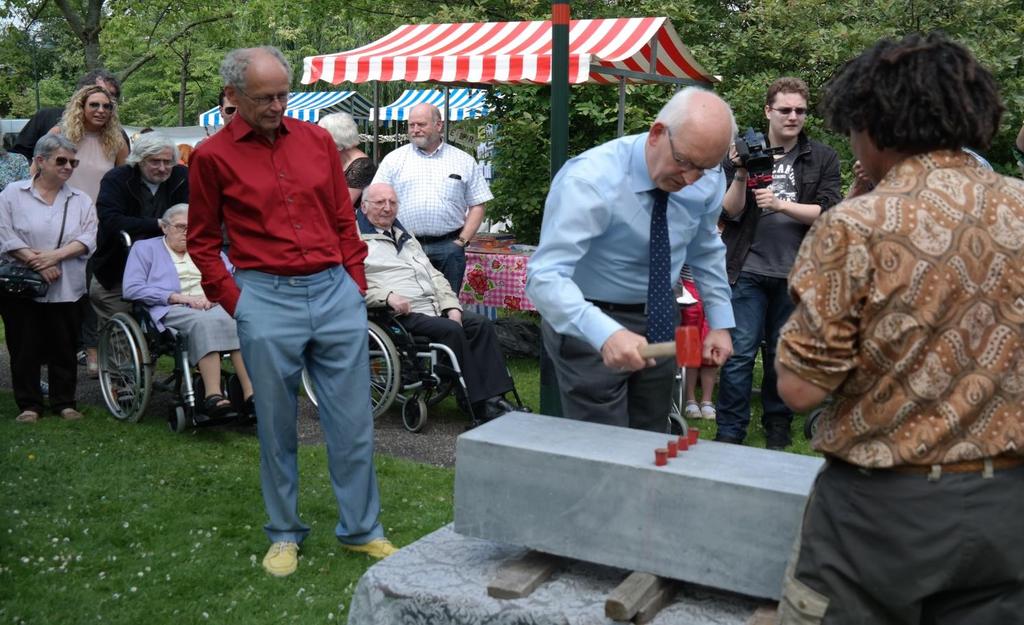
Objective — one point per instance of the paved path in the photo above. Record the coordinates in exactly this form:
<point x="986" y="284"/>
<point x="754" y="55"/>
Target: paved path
<point x="434" y="445"/>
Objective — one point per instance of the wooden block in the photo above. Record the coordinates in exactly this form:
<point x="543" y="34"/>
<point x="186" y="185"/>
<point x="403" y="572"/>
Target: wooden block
<point x="765" y="615"/>
<point x="518" y="578"/>
<point x="659" y="600"/>
<point x="632" y="594"/>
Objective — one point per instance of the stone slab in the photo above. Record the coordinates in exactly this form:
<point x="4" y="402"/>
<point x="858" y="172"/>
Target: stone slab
<point x="442" y="579"/>
<point x="719" y="515"/>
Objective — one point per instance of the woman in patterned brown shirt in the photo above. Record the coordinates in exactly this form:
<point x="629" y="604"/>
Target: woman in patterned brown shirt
<point x="910" y="314"/>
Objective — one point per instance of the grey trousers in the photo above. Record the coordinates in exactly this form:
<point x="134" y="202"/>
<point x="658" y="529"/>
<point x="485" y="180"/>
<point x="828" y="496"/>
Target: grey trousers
<point x="890" y="548"/>
<point x="106" y="302"/>
<point x="592" y="392"/>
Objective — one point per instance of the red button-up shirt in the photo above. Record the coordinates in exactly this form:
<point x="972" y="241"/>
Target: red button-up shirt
<point x="285" y="206"/>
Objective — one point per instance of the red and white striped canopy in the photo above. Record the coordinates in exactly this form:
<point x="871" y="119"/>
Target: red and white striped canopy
<point x="512" y="52"/>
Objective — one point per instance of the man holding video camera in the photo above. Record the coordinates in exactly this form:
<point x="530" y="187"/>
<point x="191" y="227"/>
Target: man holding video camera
<point x="776" y="189"/>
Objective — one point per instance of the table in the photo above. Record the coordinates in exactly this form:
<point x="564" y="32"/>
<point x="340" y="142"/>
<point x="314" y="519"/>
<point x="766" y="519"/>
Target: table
<point x="496" y="280"/>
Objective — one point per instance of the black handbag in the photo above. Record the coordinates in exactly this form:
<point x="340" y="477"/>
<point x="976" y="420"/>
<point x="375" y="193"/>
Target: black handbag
<point x="20" y="281"/>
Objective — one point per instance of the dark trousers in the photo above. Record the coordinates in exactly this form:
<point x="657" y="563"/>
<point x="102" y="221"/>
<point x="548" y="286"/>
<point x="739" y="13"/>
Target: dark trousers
<point x="592" y="392"/>
<point x="448" y="258"/>
<point x="475" y="345"/>
<point x="890" y="548"/>
<point x="39" y="334"/>
<point x="761" y="305"/>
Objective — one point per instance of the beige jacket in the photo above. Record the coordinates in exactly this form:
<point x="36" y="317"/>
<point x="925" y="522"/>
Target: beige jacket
<point x="404" y="268"/>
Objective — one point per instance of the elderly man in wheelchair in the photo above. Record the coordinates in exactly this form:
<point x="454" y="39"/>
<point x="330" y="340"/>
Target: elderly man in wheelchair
<point x="160" y="275"/>
<point x="401" y="278"/>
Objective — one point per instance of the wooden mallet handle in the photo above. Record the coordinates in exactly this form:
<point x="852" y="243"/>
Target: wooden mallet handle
<point x="686" y="348"/>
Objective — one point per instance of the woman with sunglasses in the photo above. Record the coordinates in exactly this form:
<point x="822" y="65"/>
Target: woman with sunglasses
<point x="90" y="122"/>
<point x="49" y="226"/>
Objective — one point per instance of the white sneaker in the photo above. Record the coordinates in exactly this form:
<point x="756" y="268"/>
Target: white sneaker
<point x="692" y="410"/>
<point x="707" y="410"/>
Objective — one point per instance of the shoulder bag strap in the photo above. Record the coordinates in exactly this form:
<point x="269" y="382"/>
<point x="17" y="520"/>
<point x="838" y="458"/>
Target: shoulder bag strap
<point x="64" y="220"/>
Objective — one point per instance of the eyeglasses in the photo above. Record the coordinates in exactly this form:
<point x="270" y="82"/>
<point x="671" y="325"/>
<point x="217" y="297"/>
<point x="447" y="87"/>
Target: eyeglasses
<point x="179" y="228"/>
<point x="107" y="106"/>
<point x="230" y="110"/>
<point x="267" y="100"/>
<point x="381" y="203"/>
<point x="786" y="110"/>
<point x="159" y="162"/>
<point x="63" y="160"/>
<point x="685" y="164"/>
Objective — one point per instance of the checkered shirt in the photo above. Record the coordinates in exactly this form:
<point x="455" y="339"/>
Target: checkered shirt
<point x="433" y="203"/>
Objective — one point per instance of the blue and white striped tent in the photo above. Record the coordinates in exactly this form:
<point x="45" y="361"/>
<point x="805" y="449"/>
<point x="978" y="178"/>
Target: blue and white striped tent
<point x="462" y="103"/>
<point x="310" y="106"/>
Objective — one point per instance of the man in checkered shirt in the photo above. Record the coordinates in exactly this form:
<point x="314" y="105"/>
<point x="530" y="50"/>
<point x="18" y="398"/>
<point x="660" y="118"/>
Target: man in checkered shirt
<point x="441" y="189"/>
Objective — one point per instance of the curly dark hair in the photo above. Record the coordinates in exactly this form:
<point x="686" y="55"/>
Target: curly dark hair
<point x="915" y="95"/>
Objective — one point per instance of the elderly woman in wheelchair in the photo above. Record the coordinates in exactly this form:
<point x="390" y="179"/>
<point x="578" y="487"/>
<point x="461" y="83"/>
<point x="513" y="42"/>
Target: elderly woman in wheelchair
<point x="160" y="275"/>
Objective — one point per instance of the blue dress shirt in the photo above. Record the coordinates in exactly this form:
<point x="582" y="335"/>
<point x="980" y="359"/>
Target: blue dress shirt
<point x="595" y="236"/>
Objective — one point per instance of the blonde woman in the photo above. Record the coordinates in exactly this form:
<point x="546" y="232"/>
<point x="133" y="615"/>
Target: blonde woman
<point x="90" y="122"/>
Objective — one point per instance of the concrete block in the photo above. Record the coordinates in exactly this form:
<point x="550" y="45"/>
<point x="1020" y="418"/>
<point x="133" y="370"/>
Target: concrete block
<point x="719" y="515"/>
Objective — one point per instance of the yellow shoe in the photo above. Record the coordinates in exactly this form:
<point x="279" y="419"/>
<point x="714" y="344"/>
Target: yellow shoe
<point x="282" y="559"/>
<point x="377" y="548"/>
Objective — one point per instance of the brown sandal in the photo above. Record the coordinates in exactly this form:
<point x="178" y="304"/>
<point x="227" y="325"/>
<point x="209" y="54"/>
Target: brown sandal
<point x="27" y="416"/>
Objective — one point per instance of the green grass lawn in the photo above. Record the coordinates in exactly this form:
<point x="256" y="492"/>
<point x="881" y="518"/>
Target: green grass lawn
<point x="105" y="522"/>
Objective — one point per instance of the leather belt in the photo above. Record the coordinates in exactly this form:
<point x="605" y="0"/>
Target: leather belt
<point x="999" y="463"/>
<point x="450" y="236"/>
<point x="614" y="307"/>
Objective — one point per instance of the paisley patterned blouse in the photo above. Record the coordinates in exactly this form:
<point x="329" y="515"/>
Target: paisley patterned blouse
<point x="910" y="309"/>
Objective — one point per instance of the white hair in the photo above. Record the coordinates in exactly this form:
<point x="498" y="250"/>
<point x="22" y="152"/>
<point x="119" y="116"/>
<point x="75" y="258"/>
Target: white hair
<point x="151" y="144"/>
<point x="676" y="109"/>
<point x="170" y="213"/>
<point x="342" y="128"/>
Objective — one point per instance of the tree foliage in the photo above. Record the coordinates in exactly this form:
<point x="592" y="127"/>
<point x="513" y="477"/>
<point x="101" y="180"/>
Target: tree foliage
<point x="168" y="52"/>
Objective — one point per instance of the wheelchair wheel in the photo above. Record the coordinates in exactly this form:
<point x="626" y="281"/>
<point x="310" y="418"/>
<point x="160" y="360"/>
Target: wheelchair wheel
<point x="178" y="419"/>
<point x="414" y="413"/>
<point x="438" y="393"/>
<point x="125" y="368"/>
<point x="385" y="375"/>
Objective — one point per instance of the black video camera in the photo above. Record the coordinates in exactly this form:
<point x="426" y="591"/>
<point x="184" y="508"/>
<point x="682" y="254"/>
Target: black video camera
<point x="757" y="158"/>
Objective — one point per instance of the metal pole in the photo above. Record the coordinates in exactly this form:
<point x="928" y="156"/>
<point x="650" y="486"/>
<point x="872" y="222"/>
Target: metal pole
<point x="447" y="96"/>
<point x="550" y="403"/>
<point x="376" y="122"/>
<point x="622" y="106"/>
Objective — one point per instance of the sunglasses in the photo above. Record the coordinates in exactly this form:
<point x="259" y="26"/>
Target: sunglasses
<point x="229" y="110"/>
<point x="63" y="160"/>
<point x="786" y="110"/>
<point x="107" y="106"/>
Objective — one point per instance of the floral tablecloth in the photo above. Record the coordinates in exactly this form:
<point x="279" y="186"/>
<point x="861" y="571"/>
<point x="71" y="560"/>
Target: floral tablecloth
<point x="496" y="280"/>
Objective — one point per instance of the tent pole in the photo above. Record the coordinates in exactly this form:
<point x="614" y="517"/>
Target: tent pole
<point x="622" y="106"/>
<point x="447" y="109"/>
<point x="550" y="402"/>
<point x="376" y="122"/>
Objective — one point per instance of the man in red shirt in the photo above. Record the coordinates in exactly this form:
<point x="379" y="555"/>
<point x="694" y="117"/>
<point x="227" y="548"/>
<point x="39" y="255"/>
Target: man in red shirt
<point x="277" y="186"/>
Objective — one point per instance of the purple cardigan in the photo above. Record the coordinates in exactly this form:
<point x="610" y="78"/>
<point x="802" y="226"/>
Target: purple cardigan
<point x="150" y="277"/>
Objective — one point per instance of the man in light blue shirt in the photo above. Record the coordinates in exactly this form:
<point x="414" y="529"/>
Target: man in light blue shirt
<point x="589" y="275"/>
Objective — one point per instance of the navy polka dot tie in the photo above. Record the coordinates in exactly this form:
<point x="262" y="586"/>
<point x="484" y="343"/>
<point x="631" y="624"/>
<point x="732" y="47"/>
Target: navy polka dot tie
<point x="660" y="302"/>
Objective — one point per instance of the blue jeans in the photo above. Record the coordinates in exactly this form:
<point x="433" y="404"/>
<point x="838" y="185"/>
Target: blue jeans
<point x="450" y="259"/>
<point x="318" y="322"/>
<point x="761" y="305"/>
